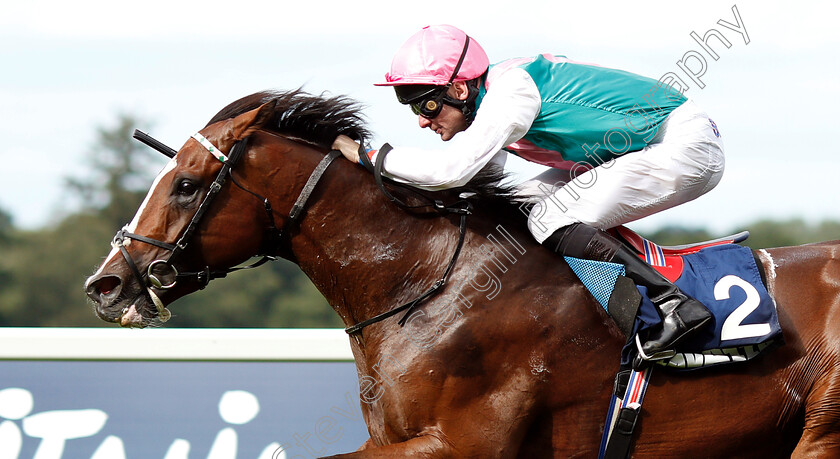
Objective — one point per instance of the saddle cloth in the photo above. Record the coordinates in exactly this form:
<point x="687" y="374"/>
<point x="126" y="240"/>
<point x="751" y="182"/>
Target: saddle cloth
<point x="722" y="275"/>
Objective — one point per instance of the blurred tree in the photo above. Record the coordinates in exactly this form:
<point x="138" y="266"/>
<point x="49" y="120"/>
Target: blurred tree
<point x="48" y="267"/>
<point x="773" y="233"/>
<point x="763" y="233"/>
<point x="122" y="170"/>
<point x="6" y="227"/>
<point x="6" y="238"/>
<point x="827" y="230"/>
<point x="42" y="271"/>
<point x="678" y="235"/>
<point x="277" y="294"/>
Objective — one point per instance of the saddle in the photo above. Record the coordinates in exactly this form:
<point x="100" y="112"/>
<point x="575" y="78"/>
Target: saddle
<point x="668" y="260"/>
<point x="721" y="274"/>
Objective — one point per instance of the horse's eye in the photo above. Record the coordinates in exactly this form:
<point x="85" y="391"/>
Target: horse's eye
<point x="187" y="188"/>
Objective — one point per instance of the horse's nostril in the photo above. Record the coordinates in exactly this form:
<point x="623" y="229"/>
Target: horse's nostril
<point x="103" y="288"/>
<point x="108" y="284"/>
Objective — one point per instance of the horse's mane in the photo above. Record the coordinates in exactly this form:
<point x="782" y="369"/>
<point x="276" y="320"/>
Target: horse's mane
<point x="320" y="119"/>
<point x="315" y="119"/>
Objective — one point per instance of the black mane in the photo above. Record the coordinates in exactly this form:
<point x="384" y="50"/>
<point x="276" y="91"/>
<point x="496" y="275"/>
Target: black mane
<point x="320" y="119"/>
<point x="315" y="119"/>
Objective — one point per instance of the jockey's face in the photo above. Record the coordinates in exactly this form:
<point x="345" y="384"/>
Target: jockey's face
<point x="451" y="120"/>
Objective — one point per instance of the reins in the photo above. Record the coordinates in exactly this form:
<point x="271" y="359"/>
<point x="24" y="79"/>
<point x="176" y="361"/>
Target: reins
<point x="151" y="280"/>
<point x="462" y="208"/>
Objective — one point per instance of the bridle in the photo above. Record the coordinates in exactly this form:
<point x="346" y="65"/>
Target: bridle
<point x="160" y="268"/>
<point x="152" y="280"/>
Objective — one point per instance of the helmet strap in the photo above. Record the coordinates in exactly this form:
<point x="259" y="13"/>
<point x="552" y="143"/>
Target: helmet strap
<point x="469" y="107"/>
<point x="466" y="106"/>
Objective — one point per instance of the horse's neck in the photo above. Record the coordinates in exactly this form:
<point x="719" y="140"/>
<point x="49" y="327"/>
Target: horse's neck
<point x="364" y="254"/>
<point x="368" y="256"/>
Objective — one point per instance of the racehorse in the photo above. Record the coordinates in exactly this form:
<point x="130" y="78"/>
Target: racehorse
<point x="511" y="356"/>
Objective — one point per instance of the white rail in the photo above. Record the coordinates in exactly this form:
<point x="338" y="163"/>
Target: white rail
<point x="203" y="344"/>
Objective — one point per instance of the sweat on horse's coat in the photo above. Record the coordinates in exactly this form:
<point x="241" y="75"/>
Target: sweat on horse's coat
<point x="476" y="391"/>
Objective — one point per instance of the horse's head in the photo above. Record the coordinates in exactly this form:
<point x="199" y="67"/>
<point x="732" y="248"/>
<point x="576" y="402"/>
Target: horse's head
<point x="177" y="238"/>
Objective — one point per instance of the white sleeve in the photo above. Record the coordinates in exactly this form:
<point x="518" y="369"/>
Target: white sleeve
<point x="504" y="116"/>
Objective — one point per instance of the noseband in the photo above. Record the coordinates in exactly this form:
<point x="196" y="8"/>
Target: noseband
<point x="158" y="270"/>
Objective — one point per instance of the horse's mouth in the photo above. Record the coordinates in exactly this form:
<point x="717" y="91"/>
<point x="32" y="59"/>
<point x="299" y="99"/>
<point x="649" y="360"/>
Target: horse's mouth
<point x="131" y="317"/>
<point x="131" y="311"/>
<point x="144" y="311"/>
<point x="127" y="303"/>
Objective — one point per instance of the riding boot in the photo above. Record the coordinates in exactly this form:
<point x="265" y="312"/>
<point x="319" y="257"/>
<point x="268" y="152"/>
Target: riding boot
<point x="681" y="314"/>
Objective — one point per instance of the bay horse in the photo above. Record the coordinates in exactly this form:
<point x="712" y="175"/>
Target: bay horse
<point x="512" y="356"/>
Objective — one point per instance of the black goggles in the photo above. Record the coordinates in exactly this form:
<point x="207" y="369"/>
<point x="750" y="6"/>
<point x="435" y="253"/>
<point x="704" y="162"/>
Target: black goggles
<point x="424" y="100"/>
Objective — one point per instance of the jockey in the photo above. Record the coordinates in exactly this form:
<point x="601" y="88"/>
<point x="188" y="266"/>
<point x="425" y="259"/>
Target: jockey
<point x="629" y="145"/>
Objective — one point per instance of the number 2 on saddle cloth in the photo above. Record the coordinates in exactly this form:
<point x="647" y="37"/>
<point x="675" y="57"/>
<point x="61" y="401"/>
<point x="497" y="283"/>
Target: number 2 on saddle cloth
<point x="721" y="274"/>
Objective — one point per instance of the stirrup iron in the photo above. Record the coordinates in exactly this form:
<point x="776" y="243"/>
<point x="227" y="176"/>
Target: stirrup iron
<point x="661" y="355"/>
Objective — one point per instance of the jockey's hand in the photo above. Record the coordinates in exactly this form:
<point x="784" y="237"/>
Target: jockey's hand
<point x="348" y="147"/>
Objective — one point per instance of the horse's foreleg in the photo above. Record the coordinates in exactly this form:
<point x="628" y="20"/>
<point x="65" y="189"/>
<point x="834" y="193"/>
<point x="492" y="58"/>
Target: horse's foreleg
<point x="817" y="445"/>
<point x="426" y="446"/>
<point x="821" y="434"/>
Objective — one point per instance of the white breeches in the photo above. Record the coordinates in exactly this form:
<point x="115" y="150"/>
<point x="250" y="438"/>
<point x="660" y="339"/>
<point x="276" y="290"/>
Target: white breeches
<point x="684" y="161"/>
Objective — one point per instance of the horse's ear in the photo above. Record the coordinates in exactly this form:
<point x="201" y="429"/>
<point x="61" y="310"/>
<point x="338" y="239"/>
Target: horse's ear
<point x="248" y="122"/>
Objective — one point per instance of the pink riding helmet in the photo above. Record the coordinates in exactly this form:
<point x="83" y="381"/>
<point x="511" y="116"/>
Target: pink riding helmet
<point x="430" y="56"/>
